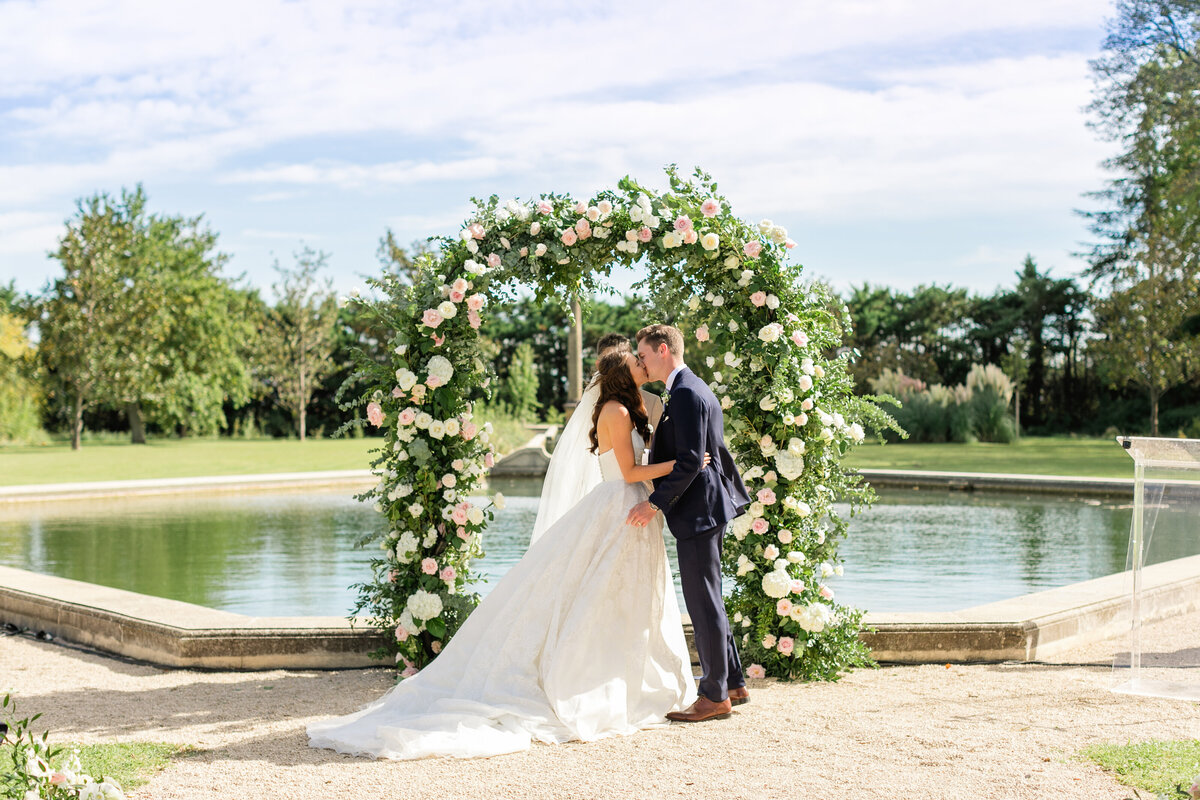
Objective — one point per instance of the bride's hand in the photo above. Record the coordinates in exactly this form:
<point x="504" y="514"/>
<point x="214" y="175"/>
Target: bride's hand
<point x="707" y="460"/>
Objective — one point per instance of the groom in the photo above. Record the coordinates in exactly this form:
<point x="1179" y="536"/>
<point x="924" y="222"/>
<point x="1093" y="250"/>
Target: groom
<point x="697" y="505"/>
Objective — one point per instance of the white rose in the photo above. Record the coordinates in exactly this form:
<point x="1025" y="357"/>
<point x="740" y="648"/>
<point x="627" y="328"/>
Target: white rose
<point x="449" y="481"/>
<point x="535" y="229"/>
<point x="770" y="333"/>
<point x="776" y="583"/>
<point x="726" y="402"/>
<point x="741" y="527"/>
<point x="475" y="515"/>
<point x="733" y="326"/>
<point x="807" y="366"/>
<point x="803" y="510"/>
<point x="778" y="234"/>
<point x="710" y="361"/>
<point x="718" y="301"/>
<point x="693" y="302"/>
<point x="744" y="280"/>
<point x="472" y="247"/>
<point x="756" y="510"/>
<point x="499" y="501"/>
<point x="474" y="267"/>
<point x="541" y="250"/>
<point x="770" y="552"/>
<point x="805" y="383"/>
<point x="710" y="241"/>
<point x="764" y="226"/>
<point x="437" y="429"/>
<point x="452" y="427"/>
<point x="767" y="403"/>
<point x="795" y="556"/>
<point x="447" y="309"/>
<point x="423" y="420"/>
<point x="405" y="379"/>
<point x="732" y="262"/>
<point x="795" y="446"/>
<point x="416" y="509"/>
<point x="772" y="302"/>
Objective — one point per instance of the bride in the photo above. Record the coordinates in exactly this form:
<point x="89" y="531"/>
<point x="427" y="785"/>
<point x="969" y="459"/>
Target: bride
<point x="581" y="640"/>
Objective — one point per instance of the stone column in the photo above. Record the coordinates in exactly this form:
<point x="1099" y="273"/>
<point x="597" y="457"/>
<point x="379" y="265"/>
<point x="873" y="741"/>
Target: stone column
<point x="574" y="358"/>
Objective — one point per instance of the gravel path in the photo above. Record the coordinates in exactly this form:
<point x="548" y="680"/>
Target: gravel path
<point x="979" y="731"/>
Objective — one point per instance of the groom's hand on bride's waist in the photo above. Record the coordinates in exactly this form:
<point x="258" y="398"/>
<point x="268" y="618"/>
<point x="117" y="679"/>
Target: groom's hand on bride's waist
<point x="641" y="514"/>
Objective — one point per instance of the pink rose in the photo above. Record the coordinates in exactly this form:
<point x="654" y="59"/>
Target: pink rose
<point x="437" y="340"/>
<point x="462" y="533"/>
<point x="759" y="299"/>
<point x="456" y="297"/>
<point x="447" y="574"/>
<point x="786" y="645"/>
<point x="489" y="460"/>
<point x="375" y="414"/>
<point x="397" y="392"/>
<point x="583" y="228"/>
<point x="756" y="672"/>
<point x="826" y="592"/>
<point x="460" y="285"/>
<point x="407" y="416"/>
<point x="401" y="633"/>
<point x="783" y="607"/>
<point x="433" y="381"/>
<point x="408" y="672"/>
<point x="789" y="244"/>
<point x="702" y="333"/>
<point x="690" y="237"/>
<point x="58" y="779"/>
<point x="759" y="526"/>
<point x="473" y="319"/>
<point x="766" y="496"/>
<point x="458" y="516"/>
<point x="493" y="260"/>
<point x="569" y="238"/>
<point x="710" y="207"/>
<point x="524" y="252"/>
<point x="752" y="248"/>
<point x="476" y="301"/>
<point x="429" y="566"/>
<point x="799" y="338"/>
<point x="581" y="207"/>
<point x="469" y="430"/>
<point x="683" y="224"/>
<point x="797" y="586"/>
<point x="645" y="234"/>
<point x="476" y="230"/>
<point x="544" y="207"/>
<point x="431" y="318"/>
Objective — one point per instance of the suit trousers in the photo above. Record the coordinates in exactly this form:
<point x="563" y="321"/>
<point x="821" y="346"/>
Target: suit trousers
<point x="700" y="575"/>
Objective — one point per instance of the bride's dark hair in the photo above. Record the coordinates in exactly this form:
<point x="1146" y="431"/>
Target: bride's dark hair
<point x="612" y="375"/>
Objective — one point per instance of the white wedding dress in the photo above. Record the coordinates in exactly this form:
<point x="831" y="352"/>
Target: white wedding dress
<point x="581" y="640"/>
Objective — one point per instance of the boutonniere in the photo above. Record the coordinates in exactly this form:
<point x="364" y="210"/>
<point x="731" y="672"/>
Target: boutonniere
<point x="666" y="398"/>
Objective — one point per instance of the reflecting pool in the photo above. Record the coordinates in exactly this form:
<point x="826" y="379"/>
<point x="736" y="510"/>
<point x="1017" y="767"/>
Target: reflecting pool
<point x="291" y="553"/>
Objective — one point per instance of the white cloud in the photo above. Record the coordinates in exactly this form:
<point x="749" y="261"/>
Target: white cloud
<point x="29" y="232"/>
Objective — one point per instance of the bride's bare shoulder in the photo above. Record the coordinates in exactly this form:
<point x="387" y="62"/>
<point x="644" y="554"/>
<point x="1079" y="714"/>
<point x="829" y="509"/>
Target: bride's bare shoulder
<point x="614" y="408"/>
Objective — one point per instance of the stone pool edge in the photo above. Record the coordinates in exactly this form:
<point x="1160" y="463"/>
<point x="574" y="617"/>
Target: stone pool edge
<point x="170" y="633"/>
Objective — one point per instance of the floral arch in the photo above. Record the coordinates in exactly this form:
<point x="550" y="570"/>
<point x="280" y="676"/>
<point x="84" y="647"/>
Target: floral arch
<point x="789" y="407"/>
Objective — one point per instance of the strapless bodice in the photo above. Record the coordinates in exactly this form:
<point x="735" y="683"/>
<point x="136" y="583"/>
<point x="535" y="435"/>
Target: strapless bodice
<point x="610" y="470"/>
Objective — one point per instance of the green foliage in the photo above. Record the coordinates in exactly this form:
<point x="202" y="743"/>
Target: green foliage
<point x="298" y="336"/>
<point x="1167" y="768"/>
<point x="975" y="411"/>
<point x="519" y="389"/>
<point x="141" y="319"/>
<point x="20" y="395"/>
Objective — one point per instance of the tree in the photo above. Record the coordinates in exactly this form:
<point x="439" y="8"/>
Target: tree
<point x="85" y="323"/>
<point x="1149" y="254"/>
<point x="520" y="389"/>
<point x="19" y="394"/>
<point x="298" y="334"/>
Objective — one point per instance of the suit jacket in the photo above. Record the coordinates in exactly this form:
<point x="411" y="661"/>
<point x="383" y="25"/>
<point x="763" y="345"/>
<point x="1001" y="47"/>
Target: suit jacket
<point x="654" y="408"/>
<point x="692" y="499"/>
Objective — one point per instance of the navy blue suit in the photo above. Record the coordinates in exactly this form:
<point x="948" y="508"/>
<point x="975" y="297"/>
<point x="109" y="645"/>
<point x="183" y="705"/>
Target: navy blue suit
<point x="698" y="504"/>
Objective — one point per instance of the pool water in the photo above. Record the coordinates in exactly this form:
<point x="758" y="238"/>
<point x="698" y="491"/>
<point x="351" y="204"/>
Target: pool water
<point x="292" y="553"/>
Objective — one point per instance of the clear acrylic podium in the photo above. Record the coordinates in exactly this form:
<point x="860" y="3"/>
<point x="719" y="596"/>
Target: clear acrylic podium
<point x="1163" y="571"/>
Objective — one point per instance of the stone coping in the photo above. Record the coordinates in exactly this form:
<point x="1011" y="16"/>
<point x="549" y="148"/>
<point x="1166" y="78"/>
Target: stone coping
<point x="175" y="634"/>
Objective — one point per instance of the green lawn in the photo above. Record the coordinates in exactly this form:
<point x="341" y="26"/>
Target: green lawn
<point x="1058" y="455"/>
<point x="1155" y="766"/>
<point x="176" y="458"/>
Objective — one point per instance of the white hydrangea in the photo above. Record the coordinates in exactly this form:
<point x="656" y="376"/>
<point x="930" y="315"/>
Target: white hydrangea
<point x="405" y="547"/>
<point x="776" y="583"/>
<point x="440" y="367"/>
<point x="424" y="605"/>
<point x="741" y="527"/>
<point x="790" y="465"/>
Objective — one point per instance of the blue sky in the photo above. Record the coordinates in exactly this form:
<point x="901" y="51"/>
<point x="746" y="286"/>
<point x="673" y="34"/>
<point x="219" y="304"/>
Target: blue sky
<point x="899" y="141"/>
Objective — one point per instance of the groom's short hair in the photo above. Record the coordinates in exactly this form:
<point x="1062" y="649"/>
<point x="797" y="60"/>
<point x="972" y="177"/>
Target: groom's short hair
<point x="613" y="341"/>
<point x="662" y="334"/>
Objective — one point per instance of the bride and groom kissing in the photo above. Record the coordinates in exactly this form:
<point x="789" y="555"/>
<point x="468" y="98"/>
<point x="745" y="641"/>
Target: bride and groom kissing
<point x="582" y="639"/>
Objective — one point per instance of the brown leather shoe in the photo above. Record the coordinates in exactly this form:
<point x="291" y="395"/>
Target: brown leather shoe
<point x="701" y="710"/>
<point x="739" y="696"/>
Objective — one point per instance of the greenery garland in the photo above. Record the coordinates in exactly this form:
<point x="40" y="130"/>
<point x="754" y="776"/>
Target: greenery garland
<point x="789" y="404"/>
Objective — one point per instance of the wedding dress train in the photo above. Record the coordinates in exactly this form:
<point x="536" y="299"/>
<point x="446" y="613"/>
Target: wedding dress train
<point x="581" y="640"/>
